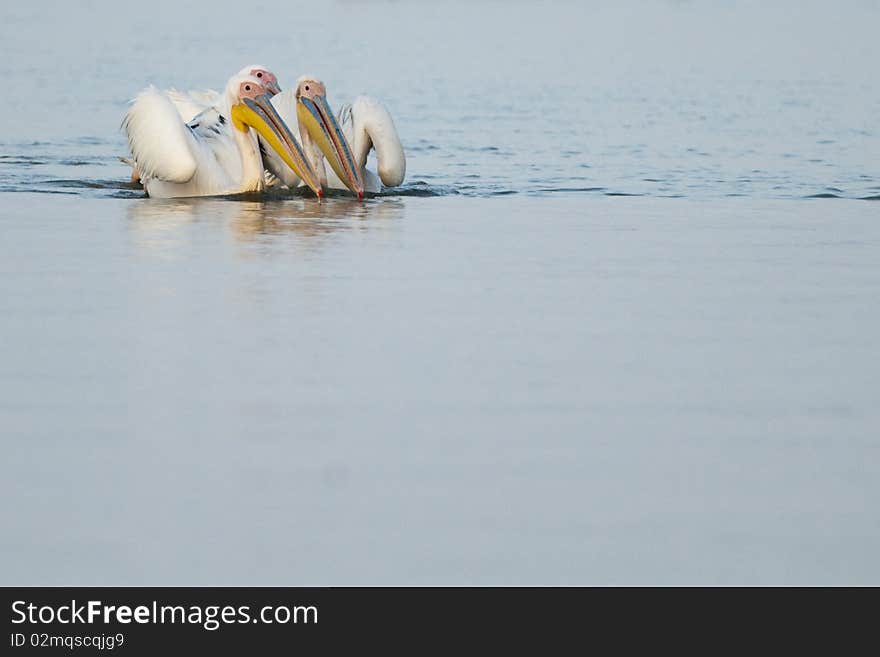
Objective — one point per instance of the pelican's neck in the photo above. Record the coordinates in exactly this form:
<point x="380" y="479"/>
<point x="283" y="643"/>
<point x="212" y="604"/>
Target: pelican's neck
<point x="251" y="161"/>
<point x="313" y="154"/>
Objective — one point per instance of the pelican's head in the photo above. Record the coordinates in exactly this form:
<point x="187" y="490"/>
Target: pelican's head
<point x="315" y="115"/>
<point x="248" y="100"/>
<point x="264" y="75"/>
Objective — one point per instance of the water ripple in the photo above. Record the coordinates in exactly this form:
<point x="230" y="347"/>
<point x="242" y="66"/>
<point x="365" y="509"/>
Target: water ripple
<point x="90" y="166"/>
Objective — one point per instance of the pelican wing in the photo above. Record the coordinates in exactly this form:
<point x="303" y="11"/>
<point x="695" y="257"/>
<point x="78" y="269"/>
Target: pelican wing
<point x="162" y="145"/>
<point x="189" y="104"/>
<point x="208" y="124"/>
<point x="368" y="124"/>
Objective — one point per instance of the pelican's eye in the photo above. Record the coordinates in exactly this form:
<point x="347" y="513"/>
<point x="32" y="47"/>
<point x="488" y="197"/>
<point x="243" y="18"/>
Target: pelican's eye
<point x="259" y="74"/>
<point x="250" y="89"/>
<point x="307" y="87"/>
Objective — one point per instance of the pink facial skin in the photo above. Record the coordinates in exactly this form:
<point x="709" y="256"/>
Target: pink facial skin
<point x="268" y="79"/>
<point x="310" y="89"/>
<point x="252" y="90"/>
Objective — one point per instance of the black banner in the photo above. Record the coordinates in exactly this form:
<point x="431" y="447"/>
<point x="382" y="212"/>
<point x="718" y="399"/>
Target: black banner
<point x="136" y="621"/>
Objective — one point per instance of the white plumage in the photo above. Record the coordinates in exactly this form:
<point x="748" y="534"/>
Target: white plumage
<point x="366" y="124"/>
<point x="161" y="144"/>
<point x="190" y="104"/>
<point x="207" y="156"/>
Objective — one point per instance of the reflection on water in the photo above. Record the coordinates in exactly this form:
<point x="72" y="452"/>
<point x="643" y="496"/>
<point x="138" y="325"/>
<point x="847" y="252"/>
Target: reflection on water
<point x="162" y="226"/>
<point x="309" y="218"/>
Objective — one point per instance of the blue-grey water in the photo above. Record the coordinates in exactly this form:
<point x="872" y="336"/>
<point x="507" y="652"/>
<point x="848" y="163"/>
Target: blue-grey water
<point x="619" y="326"/>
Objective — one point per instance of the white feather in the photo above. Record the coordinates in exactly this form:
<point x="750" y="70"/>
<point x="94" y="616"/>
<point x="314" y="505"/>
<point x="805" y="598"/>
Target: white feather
<point x="368" y="124"/>
<point x="191" y="103"/>
<point x="160" y="143"/>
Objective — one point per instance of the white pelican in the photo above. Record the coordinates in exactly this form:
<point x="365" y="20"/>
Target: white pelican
<point x="175" y="159"/>
<point x="366" y="124"/>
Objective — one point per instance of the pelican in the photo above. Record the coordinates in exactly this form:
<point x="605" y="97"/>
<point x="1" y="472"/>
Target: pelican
<point x="173" y="158"/>
<point x="365" y="124"/>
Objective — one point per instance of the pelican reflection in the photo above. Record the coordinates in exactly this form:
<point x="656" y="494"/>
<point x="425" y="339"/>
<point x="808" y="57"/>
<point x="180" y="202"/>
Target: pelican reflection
<point x="167" y="226"/>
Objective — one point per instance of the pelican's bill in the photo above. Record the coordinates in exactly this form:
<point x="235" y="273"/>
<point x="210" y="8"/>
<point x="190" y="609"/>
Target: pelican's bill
<point x="315" y="114"/>
<point x="259" y="114"/>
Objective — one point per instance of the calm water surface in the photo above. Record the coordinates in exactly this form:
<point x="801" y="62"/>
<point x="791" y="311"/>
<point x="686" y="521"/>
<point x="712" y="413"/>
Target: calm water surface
<point x="618" y="326"/>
